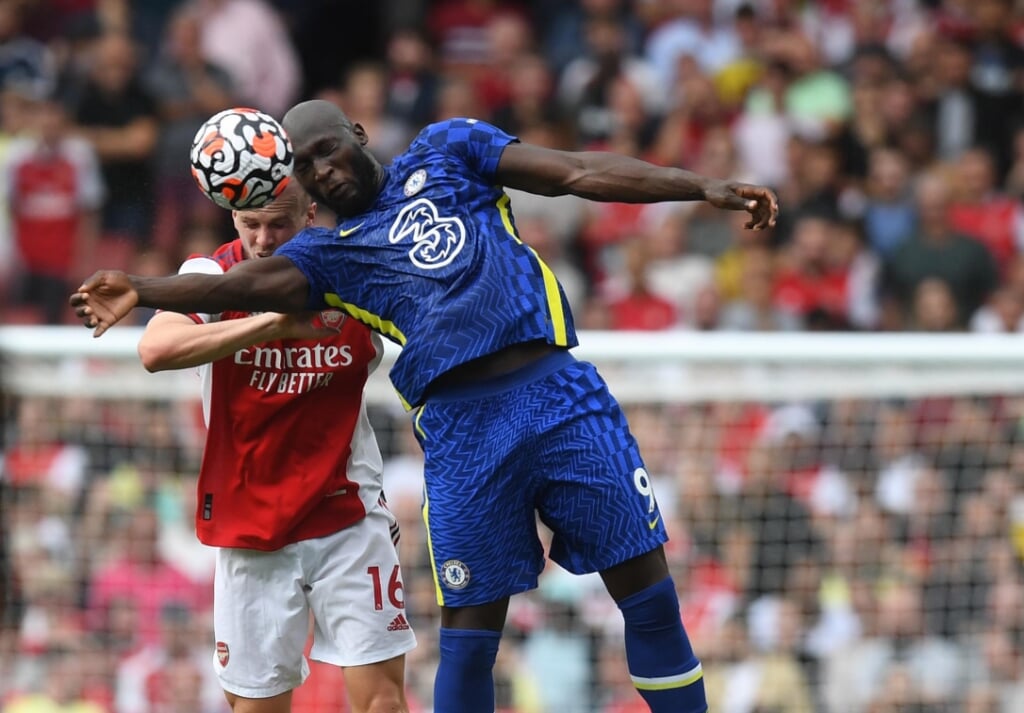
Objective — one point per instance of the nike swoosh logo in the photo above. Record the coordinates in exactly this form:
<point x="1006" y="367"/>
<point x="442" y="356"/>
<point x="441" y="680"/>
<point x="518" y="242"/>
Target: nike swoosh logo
<point x="654" y="523"/>
<point x="345" y="233"/>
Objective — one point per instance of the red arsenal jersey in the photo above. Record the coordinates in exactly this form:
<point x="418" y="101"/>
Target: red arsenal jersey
<point x="290" y="454"/>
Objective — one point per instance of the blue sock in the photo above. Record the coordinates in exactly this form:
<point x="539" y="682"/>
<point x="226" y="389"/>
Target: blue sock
<point x="464" y="682"/>
<point x="661" y="661"/>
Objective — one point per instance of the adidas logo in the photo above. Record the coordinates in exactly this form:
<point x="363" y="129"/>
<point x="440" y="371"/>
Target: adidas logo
<point x="399" y="624"/>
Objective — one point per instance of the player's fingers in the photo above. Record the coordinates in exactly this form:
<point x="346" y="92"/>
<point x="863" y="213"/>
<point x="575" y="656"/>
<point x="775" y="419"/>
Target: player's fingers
<point x="98" y="324"/>
<point x="766" y="214"/>
<point x="773" y="209"/>
<point x="766" y="204"/>
<point x="757" y="218"/>
<point x="733" y="201"/>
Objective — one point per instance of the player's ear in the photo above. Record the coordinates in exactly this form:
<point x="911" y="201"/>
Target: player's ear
<point x="311" y="214"/>
<point x="360" y="133"/>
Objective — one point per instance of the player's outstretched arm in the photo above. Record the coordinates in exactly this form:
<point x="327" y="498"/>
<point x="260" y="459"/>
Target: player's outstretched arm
<point x="603" y="176"/>
<point x="271" y="284"/>
<point x="174" y="341"/>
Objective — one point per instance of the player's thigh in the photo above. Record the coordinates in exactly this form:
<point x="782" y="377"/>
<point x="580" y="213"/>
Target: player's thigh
<point x="376" y="686"/>
<point x="597" y="497"/>
<point x="260" y="621"/>
<point x="478" y="505"/>
<point x="356" y="594"/>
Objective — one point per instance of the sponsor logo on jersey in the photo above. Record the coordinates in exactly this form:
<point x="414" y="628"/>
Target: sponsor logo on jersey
<point x="318" y="356"/>
<point x="415" y="183"/>
<point x="223" y="653"/>
<point x="399" y="624"/>
<point x="455" y="574"/>
<point x="436" y="240"/>
<point x="295" y="370"/>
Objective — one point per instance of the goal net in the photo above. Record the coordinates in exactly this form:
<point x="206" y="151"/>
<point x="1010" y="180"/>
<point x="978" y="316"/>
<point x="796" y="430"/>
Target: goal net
<point x="846" y="516"/>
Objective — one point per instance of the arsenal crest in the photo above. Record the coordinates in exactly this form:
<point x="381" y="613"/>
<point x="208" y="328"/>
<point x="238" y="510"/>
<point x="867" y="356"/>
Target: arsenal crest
<point x="330" y="319"/>
<point x="223" y="654"/>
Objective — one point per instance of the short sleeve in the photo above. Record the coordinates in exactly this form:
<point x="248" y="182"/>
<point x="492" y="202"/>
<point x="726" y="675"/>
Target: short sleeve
<point x="307" y="253"/>
<point x="476" y="143"/>
<point x="200" y="265"/>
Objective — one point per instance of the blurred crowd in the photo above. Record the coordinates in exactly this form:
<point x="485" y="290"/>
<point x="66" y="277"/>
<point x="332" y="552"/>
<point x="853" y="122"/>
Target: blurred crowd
<point x="840" y="556"/>
<point x="893" y="131"/>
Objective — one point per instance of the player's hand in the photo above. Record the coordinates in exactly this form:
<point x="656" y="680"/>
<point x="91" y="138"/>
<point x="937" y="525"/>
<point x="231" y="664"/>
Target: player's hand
<point x="104" y="299"/>
<point x="759" y="201"/>
<point x="310" y="325"/>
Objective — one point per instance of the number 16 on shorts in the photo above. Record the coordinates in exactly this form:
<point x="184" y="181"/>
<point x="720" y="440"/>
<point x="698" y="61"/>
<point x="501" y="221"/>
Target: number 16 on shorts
<point x="395" y="595"/>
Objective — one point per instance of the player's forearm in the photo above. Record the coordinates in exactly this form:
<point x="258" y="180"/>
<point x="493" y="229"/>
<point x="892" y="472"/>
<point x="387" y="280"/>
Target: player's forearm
<point x="612" y="177"/>
<point x="179" y="345"/>
<point x="238" y="290"/>
<point x="597" y="175"/>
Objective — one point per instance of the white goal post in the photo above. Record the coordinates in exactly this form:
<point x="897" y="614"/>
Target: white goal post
<point x="659" y="367"/>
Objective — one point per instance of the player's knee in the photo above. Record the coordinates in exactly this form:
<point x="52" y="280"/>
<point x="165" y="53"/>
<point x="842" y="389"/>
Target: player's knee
<point x="377" y="687"/>
<point x="469" y="650"/>
<point x="384" y="701"/>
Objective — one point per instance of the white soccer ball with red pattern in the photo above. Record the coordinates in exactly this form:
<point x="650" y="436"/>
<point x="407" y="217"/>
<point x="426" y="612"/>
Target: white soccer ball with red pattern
<point x="241" y="158"/>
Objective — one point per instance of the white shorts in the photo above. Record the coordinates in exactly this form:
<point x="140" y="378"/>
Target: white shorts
<point x="351" y="584"/>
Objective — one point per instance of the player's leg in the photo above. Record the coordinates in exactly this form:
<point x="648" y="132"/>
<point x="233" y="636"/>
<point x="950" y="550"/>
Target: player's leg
<point x="261" y="623"/>
<point x="377" y="687"/>
<point x="355" y="592"/>
<point x="481" y="531"/>
<point x="593" y="463"/>
<point x="281" y="703"/>
<point x="469" y="640"/>
<point x="634" y="575"/>
<point x="646" y="596"/>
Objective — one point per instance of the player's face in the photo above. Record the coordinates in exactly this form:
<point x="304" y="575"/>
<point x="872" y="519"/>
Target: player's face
<point x="335" y="168"/>
<point x="264" y="230"/>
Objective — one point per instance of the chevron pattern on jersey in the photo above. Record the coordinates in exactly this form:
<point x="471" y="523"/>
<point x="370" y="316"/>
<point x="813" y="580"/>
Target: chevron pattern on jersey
<point x="559" y="447"/>
<point x="434" y="257"/>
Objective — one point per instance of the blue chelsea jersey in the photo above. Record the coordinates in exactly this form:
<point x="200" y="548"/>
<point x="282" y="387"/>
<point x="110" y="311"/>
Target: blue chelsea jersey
<point x="435" y="264"/>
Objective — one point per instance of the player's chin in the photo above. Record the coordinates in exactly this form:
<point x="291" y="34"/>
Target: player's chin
<point x="348" y="199"/>
<point x="346" y="207"/>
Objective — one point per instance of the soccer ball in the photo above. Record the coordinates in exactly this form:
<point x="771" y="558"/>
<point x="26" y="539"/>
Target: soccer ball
<point x="241" y="158"/>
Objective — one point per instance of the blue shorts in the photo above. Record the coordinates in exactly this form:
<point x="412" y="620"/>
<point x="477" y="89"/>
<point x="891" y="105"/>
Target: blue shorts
<point x="548" y="440"/>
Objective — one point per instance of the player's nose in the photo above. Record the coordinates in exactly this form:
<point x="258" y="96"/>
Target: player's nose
<point x="322" y="169"/>
<point x="266" y="242"/>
